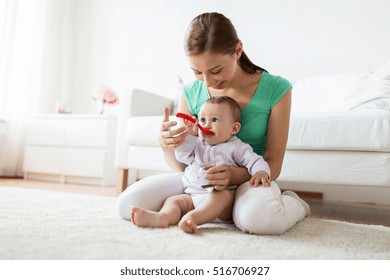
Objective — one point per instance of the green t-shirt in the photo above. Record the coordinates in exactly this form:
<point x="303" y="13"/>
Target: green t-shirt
<point x="254" y="117"/>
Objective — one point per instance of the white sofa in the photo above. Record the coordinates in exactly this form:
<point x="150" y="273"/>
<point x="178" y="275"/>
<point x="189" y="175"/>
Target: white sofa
<point x="3" y="127"/>
<point x="339" y="138"/>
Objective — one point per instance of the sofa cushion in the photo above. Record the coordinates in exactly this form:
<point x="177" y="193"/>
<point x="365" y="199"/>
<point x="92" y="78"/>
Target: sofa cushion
<point x="149" y="158"/>
<point x="144" y="131"/>
<point x="363" y="130"/>
<point x="357" y="168"/>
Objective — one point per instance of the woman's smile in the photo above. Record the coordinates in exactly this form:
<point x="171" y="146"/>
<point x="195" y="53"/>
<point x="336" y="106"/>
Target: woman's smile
<point x="221" y="85"/>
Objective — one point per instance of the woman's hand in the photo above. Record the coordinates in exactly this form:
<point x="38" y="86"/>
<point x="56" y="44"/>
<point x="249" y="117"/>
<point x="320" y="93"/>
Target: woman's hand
<point x="222" y="176"/>
<point x="219" y="176"/>
<point x="171" y="138"/>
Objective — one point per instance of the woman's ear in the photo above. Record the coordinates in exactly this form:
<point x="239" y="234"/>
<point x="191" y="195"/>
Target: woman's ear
<point x="239" y="49"/>
<point x="236" y="128"/>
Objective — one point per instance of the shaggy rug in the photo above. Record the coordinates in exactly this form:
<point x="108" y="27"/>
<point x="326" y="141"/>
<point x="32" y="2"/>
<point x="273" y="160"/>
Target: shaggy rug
<point x="37" y="224"/>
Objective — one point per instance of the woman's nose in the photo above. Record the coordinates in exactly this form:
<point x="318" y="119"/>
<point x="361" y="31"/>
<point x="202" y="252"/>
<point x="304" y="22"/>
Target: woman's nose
<point x="207" y="80"/>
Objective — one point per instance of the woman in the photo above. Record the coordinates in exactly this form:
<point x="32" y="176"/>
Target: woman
<point x="221" y="67"/>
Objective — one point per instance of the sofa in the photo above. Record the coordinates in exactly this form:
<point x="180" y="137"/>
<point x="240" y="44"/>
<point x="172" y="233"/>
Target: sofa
<point x="338" y="145"/>
<point x="3" y="127"/>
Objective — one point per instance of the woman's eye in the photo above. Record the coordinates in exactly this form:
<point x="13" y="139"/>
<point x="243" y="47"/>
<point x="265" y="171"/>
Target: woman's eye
<point x="216" y="72"/>
<point x="199" y="76"/>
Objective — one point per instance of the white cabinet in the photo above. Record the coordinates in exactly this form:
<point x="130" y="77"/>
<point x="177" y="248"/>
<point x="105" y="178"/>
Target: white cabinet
<point x="71" y="149"/>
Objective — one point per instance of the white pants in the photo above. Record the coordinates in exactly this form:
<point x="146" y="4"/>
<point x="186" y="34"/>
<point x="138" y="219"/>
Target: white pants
<point x="261" y="210"/>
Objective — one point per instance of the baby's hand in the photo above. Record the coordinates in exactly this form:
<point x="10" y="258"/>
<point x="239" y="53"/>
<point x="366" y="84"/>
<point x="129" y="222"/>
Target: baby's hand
<point x="191" y="127"/>
<point x="260" y="177"/>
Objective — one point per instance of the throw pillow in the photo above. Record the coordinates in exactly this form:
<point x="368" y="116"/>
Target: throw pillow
<point x="372" y="91"/>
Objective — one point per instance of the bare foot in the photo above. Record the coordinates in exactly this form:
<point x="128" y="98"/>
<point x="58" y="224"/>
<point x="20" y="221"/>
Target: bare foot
<point x="145" y="218"/>
<point x="188" y="226"/>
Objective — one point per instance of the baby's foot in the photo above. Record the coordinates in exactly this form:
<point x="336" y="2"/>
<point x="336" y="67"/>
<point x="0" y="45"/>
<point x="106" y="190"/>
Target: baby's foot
<point x="145" y="218"/>
<point x="188" y="226"/>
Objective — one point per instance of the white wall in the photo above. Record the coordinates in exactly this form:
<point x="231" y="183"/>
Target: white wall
<point x="139" y="43"/>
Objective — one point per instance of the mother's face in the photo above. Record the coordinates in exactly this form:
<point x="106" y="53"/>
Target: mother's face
<point x="216" y="70"/>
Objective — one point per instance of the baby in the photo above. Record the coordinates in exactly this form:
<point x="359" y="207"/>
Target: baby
<point x="202" y="203"/>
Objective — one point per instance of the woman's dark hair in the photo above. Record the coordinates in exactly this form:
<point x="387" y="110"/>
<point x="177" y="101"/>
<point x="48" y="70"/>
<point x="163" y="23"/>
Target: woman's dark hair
<point x="215" y="33"/>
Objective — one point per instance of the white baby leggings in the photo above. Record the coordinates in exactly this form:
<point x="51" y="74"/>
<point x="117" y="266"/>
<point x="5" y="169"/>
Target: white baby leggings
<point x="261" y="210"/>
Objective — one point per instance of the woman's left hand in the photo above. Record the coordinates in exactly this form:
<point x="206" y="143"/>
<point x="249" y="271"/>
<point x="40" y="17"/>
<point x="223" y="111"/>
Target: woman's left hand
<point x="219" y="176"/>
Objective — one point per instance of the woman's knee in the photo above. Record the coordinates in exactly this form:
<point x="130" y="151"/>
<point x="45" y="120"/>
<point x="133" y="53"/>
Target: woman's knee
<point x="123" y="207"/>
<point x="136" y="197"/>
<point x="258" y="210"/>
<point x="149" y="193"/>
<point x="126" y="200"/>
<point x="258" y="220"/>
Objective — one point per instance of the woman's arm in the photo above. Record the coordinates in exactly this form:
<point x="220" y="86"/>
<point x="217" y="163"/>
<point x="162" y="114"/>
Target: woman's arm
<point x="277" y="135"/>
<point x="171" y="138"/>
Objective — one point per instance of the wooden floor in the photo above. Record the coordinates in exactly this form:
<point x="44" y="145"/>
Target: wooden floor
<point x="354" y="213"/>
<point x="33" y="184"/>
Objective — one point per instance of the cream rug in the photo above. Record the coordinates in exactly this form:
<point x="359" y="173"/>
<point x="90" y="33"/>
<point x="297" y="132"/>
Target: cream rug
<point x="37" y="224"/>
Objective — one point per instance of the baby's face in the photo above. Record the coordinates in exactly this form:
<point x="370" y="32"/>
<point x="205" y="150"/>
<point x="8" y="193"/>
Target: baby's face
<point x="218" y="118"/>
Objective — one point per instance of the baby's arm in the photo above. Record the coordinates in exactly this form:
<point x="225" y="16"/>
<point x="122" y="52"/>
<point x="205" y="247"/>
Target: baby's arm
<point x="255" y="164"/>
<point x="185" y="152"/>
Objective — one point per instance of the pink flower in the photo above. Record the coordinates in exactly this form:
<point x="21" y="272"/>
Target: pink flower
<point x="105" y="95"/>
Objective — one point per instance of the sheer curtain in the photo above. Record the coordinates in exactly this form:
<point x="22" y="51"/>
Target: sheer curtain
<point x="22" y="61"/>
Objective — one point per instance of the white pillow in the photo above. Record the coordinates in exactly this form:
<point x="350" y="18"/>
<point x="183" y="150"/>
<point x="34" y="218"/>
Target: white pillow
<point x="377" y="104"/>
<point x="323" y="93"/>
<point x="372" y="91"/>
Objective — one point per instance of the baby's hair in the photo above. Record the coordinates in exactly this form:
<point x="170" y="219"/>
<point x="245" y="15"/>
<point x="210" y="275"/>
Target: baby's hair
<point x="234" y="107"/>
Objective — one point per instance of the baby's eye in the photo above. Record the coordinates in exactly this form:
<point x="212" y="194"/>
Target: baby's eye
<point x="214" y="120"/>
<point x="202" y="120"/>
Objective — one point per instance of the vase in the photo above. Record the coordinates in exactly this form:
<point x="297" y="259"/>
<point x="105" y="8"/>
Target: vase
<point x="100" y="106"/>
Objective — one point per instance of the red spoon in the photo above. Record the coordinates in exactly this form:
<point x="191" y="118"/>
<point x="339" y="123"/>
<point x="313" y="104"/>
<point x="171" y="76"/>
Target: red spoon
<point x="191" y="119"/>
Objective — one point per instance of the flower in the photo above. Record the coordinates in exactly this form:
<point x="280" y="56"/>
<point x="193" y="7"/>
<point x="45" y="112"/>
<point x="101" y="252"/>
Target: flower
<point x="105" y="95"/>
